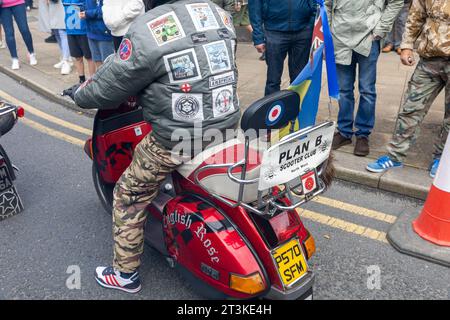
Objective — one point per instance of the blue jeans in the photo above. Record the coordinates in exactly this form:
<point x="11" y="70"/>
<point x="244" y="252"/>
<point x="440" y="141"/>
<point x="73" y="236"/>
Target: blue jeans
<point x="101" y="50"/>
<point x="367" y="77"/>
<point x="279" y="44"/>
<point x="19" y="14"/>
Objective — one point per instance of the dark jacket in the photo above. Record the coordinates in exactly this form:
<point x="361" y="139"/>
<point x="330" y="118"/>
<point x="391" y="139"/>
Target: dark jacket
<point x="280" y="15"/>
<point x="96" y="28"/>
<point x="180" y="66"/>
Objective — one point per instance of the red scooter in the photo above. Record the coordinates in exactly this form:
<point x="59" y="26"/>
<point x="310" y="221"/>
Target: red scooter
<point x="229" y="226"/>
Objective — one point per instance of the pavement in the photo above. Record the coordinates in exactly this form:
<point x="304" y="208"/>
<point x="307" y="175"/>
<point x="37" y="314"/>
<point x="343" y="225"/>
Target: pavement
<point x="392" y="78"/>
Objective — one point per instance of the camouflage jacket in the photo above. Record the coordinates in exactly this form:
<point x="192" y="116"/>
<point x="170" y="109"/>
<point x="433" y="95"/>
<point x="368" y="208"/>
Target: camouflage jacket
<point x="228" y="5"/>
<point x="428" y="24"/>
<point x="179" y="59"/>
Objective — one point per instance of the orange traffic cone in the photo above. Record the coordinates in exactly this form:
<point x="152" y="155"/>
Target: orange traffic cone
<point x="433" y="224"/>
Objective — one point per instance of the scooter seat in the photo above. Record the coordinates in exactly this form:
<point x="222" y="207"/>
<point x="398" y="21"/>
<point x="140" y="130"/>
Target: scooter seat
<point x="216" y="180"/>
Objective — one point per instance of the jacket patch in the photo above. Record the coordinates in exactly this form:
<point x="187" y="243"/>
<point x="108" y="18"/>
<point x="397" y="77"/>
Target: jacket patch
<point x="202" y="16"/>
<point x="226" y="19"/>
<point x="221" y="80"/>
<point x="223" y="102"/>
<point x="186" y="87"/>
<point x="182" y="66"/>
<point x="125" y="49"/>
<point x="187" y="107"/>
<point x="218" y="57"/>
<point x="166" y="28"/>
<point x="199" y="37"/>
<point x="224" y="33"/>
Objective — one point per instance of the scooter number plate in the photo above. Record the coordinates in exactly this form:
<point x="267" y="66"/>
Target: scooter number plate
<point x="290" y="261"/>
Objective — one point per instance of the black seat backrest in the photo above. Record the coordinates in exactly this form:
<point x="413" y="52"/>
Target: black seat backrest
<point x="274" y="111"/>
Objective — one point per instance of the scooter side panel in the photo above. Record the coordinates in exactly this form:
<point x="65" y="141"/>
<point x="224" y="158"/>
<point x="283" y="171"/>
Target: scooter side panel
<point x="201" y="239"/>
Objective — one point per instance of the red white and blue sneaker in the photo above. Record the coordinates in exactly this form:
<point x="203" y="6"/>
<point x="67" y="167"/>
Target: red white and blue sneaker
<point x="109" y="277"/>
<point x="382" y="164"/>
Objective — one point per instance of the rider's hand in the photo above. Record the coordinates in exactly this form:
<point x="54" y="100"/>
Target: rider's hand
<point x="407" y="57"/>
<point x="261" y="48"/>
<point x="70" y="92"/>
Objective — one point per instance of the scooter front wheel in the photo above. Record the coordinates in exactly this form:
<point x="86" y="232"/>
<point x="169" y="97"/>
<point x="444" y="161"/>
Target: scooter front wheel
<point x="104" y="190"/>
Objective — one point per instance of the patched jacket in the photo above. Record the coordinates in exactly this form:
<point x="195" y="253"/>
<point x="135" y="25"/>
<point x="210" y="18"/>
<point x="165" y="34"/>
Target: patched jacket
<point x="179" y="59"/>
<point x="429" y="24"/>
<point x="354" y="23"/>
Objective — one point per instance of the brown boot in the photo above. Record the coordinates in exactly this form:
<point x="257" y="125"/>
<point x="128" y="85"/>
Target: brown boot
<point x="340" y="141"/>
<point x="388" y="48"/>
<point x="361" y="147"/>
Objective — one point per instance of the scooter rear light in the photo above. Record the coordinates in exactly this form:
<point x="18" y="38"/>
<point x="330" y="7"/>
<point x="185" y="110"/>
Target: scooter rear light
<point x="251" y="284"/>
<point x="285" y="225"/>
<point x="20" y="112"/>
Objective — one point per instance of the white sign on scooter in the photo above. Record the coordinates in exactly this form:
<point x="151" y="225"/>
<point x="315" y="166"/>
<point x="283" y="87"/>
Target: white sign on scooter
<point x="288" y="160"/>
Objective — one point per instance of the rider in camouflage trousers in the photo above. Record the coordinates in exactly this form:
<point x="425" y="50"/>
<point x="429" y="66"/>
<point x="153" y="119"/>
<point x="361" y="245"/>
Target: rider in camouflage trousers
<point x="428" y="24"/>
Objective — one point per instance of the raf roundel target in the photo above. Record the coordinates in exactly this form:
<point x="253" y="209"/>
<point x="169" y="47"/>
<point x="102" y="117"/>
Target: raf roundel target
<point x="275" y="113"/>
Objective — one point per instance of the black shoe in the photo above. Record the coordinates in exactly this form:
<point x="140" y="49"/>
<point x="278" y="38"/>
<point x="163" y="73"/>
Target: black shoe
<point x="51" y="39"/>
<point x="340" y="141"/>
<point x="361" y="147"/>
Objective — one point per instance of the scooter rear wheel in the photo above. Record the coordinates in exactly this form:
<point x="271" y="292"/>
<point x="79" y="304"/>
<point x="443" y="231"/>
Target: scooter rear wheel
<point x="104" y="190"/>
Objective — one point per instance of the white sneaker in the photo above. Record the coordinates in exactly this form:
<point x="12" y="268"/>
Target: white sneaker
<point x="2" y="45"/>
<point x="66" y="68"/>
<point x="59" y="65"/>
<point x="33" y="60"/>
<point x="15" y="64"/>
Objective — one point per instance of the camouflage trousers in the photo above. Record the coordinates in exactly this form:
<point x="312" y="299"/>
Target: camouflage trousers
<point x="430" y="77"/>
<point x="134" y="191"/>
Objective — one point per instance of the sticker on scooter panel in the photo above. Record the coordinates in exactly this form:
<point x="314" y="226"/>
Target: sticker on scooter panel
<point x="275" y="113"/>
<point x="202" y="16"/>
<point x="166" y="28"/>
<point x="290" y="262"/>
<point x="309" y="182"/>
<point x="292" y="158"/>
<point x="125" y="49"/>
<point x="187" y="107"/>
<point x="138" y="131"/>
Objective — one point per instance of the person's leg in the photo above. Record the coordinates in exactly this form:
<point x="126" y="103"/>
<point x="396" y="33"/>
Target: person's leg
<point x="423" y="88"/>
<point x="277" y="45"/>
<point x="134" y="191"/>
<point x="64" y="45"/>
<point x="8" y="26"/>
<point x="95" y="51"/>
<point x="442" y="138"/>
<point x="399" y="26"/>
<point x="346" y="78"/>
<point x="299" y="49"/>
<point x="106" y="49"/>
<point x="367" y="73"/>
<point x="83" y="45"/>
<point x="76" y="52"/>
<point x="20" y="15"/>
